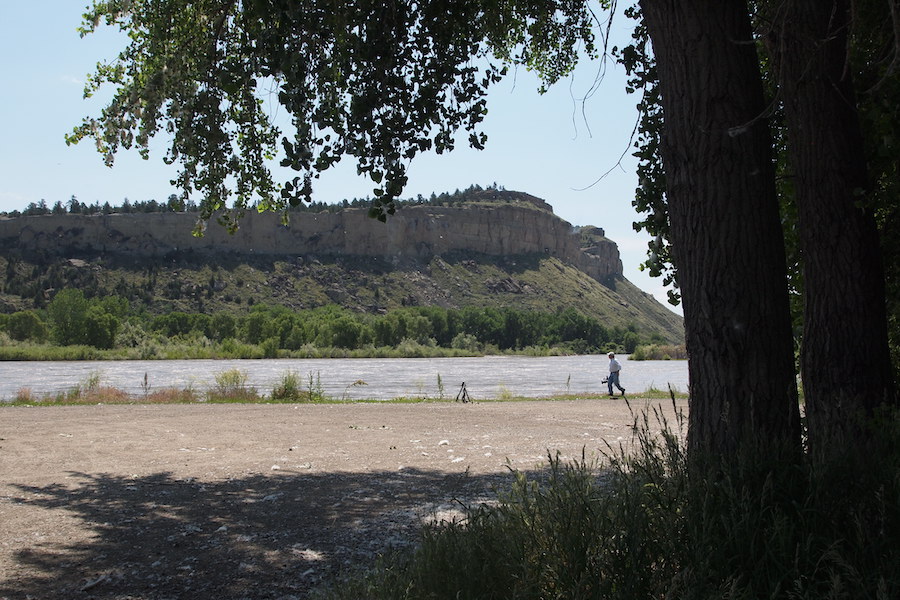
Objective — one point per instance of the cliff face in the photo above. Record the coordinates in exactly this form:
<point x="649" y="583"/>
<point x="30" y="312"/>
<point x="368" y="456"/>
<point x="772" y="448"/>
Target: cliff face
<point x="415" y="232"/>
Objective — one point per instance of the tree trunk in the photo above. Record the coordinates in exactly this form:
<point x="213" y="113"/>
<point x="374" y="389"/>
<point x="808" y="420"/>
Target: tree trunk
<point x="726" y="233"/>
<point x="845" y="360"/>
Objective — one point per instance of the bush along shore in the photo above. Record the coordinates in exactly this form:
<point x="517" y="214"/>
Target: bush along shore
<point x="659" y="352"/>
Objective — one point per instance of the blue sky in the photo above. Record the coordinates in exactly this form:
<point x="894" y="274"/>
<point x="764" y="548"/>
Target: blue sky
<point x="557" y="146"/>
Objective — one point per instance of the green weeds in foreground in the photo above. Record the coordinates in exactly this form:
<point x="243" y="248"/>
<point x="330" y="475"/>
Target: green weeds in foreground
<point x="650" y="523"/>
<point x="288" y="389"/>
<point x="231" y="386"/>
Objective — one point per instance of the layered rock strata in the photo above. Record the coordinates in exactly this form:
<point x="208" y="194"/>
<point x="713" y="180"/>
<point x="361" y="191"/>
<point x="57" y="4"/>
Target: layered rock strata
<point x="415" y="232"/>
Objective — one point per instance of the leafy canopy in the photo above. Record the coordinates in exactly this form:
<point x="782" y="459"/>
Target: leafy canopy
<point x="237" y="84"/>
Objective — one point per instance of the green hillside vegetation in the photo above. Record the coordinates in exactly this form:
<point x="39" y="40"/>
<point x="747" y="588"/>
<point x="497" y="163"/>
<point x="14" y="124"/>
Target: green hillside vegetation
<point x="365" y="286"/>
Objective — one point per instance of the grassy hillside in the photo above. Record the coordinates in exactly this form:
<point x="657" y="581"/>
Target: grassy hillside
<point x="234" y="283"/>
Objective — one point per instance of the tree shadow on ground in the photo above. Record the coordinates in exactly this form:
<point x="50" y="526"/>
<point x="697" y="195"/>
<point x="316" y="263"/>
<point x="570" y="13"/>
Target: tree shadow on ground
<point x="263" y="536"/>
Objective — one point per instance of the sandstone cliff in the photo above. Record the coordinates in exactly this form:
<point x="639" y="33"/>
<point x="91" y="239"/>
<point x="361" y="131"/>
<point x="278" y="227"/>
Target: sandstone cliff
<point x="417" y="232"/>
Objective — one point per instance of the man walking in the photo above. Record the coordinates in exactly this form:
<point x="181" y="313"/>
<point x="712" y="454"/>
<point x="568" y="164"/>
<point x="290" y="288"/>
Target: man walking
<point x="613" y="379"/>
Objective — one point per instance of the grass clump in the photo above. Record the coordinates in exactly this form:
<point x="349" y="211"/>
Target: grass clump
<point x="288" y="389"/>
<point x="231" y="386"/>
<point x="291" y="388"/>
<point x="652" y="522"/>
<point x="173" y="396"/>
<point x="100" y="394"/>
<point x="88" y="391"/>
<point x="91" y="391"/>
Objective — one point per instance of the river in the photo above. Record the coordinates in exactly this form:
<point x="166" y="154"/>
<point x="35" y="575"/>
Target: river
<point x="357" y="378"/>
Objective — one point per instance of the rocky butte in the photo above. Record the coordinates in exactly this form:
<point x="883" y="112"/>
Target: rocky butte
<point x="497" y="224"/>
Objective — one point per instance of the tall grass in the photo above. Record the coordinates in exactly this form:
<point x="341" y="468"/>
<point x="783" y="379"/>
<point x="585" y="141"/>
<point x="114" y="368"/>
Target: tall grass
<point x="24" y="351"/>
<point x="289" y="388"/>
<point x="88" y="391"/>
<point x="315" y="392"/>
<point x="652" y="523"/>
<point x="101" y="394"/>
<point x="231" y="386"/>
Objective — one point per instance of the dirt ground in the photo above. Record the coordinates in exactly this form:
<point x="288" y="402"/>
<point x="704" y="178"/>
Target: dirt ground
<point x="254" y="501"/>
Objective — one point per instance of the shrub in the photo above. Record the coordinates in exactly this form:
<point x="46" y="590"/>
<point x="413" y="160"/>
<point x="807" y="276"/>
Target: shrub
<point x="26" y="325"/>
<point x="288" y="389"/>
<point x="131" y="335"/>
<point x="413" y="349"/>
<point x="467" y="342"/>
<point x="270" y="347"/>
<point x="231" y="386"/>
<point x="659" y="352"/>
<point x="25" y="396"/>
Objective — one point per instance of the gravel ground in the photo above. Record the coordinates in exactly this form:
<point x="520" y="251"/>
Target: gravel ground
<point x="254" y="501"/>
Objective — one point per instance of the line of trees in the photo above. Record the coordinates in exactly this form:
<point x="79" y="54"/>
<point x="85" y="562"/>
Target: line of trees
<point x="108" y="322"/>
<point x="175" y="204"/>
<point x="76" y="207"/>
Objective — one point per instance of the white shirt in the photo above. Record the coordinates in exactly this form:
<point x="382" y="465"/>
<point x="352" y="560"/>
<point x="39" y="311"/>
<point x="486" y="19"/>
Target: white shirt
<point x="614" y="366"/>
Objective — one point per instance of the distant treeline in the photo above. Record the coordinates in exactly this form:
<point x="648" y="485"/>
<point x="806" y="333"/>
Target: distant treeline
<point x="175" y="203"/>
<point x="71" y="319"/>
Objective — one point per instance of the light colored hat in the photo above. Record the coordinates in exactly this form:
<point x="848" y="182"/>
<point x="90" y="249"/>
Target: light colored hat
<point x="611" y="354"/>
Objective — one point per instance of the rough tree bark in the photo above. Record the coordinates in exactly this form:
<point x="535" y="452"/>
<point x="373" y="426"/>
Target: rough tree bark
<point x="725" y="230"/>
<point x="845" y="360"/>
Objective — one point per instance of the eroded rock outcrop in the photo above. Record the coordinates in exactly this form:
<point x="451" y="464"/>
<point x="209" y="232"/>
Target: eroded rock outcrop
<point x="415" y="232"/>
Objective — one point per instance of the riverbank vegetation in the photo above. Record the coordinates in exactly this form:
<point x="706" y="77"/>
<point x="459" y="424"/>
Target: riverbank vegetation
<point x="75" y="327"/>
<point x="659" y="352"/>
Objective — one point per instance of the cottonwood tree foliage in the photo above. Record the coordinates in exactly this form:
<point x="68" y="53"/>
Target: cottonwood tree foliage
<point x="376" y="81"/>
<point x="381" y="82"/>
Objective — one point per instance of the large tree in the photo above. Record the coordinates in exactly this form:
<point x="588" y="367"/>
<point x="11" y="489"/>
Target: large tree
<point x="376" y="81"/>
<point x="384" y="81"/>
<point x="845" y="361"/>
<point x="724" y="224"/>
